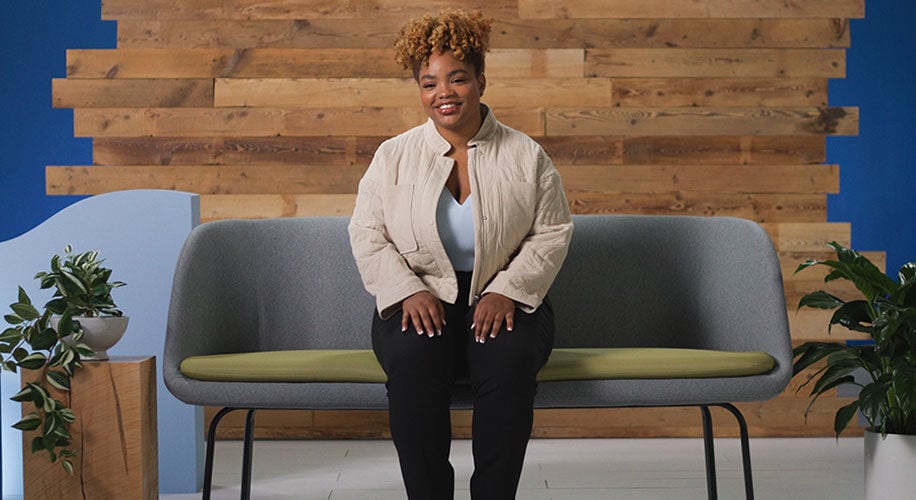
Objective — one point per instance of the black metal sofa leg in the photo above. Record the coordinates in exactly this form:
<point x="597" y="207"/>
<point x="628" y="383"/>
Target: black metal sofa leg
<point x="211" y="443"/>
<point x="247" y="452"/>
<point x="709" y="446"/>
<point x="712" y="492"/>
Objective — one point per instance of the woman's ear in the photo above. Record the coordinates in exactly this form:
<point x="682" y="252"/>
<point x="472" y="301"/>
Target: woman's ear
<point x="482" y="83"/>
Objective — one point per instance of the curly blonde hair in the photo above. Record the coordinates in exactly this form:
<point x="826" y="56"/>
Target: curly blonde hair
<point x="467" y="35"/>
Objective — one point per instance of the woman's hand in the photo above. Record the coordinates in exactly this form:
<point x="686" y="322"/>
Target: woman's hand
<point x="491" y="311"/>
<point x="425" y="312"/>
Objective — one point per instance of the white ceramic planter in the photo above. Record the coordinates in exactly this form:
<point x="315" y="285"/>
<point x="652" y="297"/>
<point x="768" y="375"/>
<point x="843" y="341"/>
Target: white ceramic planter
<point x="890" y="466"/>
<point x="100" y="333"/>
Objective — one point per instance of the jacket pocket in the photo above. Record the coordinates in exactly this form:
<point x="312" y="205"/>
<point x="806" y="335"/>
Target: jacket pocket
<point x="397" y="202"/>
<point x="516" y="207"/>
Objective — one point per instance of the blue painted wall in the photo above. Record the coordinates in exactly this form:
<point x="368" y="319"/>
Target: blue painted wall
<point x="876" y="187"/>
<point x="877" y="191"/>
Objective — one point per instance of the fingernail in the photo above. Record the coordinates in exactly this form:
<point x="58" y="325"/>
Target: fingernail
<point x="403" y="328"/>
<point x="431" y="334"/>
<point x="473" y="325"/>
<point x="509" y="328"/>
<point x="419" y="332"/>
<point x="439" y="332"/>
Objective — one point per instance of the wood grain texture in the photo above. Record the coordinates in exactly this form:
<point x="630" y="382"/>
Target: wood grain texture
<point x="723" y="63"/>
<point x="664" y="33"/>
<point x="364" y="92"/>
<point x="318" y="32"/>
<point x="690" y="8"/>
<point x="301" y="63"/>
<point x="566" y="150"/>
<point x="114" y="435"/>
<point x="757" y="179"/>
<point x="719" y="92"/>
<point x="204" y="179"/>
<point x="687" y="121"/>
<point x="264" y="122"/>
<point x="107" y="93"/>
<point x="285" y="9"/>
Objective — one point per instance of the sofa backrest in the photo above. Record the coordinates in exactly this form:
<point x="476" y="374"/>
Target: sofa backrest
<point x="629" y="280"/>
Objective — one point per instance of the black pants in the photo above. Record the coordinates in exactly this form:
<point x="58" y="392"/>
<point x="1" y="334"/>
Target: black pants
<point x="421" y="374"/>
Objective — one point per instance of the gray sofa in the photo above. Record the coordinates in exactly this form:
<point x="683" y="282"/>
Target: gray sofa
<point x="272" y="314"/>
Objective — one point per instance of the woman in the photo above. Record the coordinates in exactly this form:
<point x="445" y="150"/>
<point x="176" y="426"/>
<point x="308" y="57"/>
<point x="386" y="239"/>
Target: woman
<point x="460" y="227"/>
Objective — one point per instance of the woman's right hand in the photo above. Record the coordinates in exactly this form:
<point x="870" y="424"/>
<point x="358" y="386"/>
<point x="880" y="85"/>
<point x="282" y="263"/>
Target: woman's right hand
<point x="425" y="312"/>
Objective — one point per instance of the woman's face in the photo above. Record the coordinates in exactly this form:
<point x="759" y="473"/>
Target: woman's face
<point x="450" y="93"/>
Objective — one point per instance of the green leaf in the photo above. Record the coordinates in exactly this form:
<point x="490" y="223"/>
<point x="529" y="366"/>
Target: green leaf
<point x="13" y="319"/>
<point x="854" y="315"/>
<point x="33" y="361"/>
<point x="25" y="311"/>
<point x="24" y="297"/>
<point x="38" y="444"/>
<point x="30" y="422"/>
<point x="820" y="300"/>
<point x="843" y="416"/>
<point x="24" y="394"/>
<point x="11" y="335"/>
<point x="58" y="380"/>
<point x="68" y="466"/>
<point x="57" y="306"/>
<point x="44" y="340"/>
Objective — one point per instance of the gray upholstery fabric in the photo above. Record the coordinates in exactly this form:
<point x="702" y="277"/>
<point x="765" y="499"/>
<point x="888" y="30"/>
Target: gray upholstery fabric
<point x="711" y="283"/>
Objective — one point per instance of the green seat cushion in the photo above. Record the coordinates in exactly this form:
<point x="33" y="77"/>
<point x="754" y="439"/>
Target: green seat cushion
<point x="332" y="365"/>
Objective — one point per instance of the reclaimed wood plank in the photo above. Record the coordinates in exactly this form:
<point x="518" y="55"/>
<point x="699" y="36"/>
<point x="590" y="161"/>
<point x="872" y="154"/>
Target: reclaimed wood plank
<point x="234" y="150"/>
<point x="565" y="9"/>
<point x="625" y="181"/>
<point x="390" y="92"/>
<point x="301" y="63"/>
<point x="702" y="121"/>
<point x="764" y="208"/>
<point x="662" y="33"/>
<point x="209" y="179"/>
<point x="713" y="92"/>
<point x="227" y="63"/>
<point x="724" y="63"/>
<point x="372" y="32"/>
<point x="724" y="149"/>
<point x="567" y="150"/>
<point x="284" y="9"/>
<point x="751" y="179"/>
<point x="264" y="122"/>
<point x="108" y="93"/>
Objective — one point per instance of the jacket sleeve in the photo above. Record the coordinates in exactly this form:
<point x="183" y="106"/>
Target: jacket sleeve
<point x="529" y="274"/>
<point x="384" y="271"/>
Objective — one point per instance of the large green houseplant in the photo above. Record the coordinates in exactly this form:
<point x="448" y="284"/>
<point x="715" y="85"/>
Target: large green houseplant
<point x="886" y="311"/>
<point x="50" y="341"/>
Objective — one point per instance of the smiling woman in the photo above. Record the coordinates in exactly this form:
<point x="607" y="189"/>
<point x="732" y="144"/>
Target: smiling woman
<point x="460" y="227"/>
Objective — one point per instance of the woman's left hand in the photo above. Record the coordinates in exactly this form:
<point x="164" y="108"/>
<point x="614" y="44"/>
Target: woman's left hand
<point x="491" y="311"/>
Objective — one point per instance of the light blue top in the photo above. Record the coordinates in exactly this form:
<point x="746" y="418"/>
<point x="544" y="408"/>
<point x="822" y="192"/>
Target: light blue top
<point x="455" y="222"/>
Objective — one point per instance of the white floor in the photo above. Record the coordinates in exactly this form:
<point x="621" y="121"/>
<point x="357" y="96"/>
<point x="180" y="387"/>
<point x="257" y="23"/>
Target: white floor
<point x="555" y="469"/>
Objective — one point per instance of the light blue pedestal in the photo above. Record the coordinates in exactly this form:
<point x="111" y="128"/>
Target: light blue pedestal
<point x="139" y="234"/>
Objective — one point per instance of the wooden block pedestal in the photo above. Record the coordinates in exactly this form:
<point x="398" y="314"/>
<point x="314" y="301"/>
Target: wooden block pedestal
<point x="114" y="435"/>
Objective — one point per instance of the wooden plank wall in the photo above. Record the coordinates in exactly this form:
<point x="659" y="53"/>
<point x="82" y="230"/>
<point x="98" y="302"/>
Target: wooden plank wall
<point x="273" y="108"/>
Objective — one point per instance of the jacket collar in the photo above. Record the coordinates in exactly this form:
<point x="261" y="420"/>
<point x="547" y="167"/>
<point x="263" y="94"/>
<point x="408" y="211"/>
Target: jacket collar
<point x="441" y="147"/>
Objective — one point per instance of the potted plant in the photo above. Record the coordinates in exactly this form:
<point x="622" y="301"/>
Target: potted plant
<point x="886" y="311"/>
<point x="81" y="284"/>
<point x="51" y="342"/>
